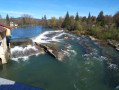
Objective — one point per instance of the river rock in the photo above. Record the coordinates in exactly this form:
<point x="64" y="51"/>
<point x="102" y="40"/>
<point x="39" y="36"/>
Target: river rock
<point x="92" y="38"/>
<point x="60" y="56"/>
<point x="86" y="46"/>
<point x="67" y="37"/>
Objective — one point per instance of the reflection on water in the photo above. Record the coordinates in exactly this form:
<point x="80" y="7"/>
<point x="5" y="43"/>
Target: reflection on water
<point x="88" y="65"/>
<point x="27" y="32"/>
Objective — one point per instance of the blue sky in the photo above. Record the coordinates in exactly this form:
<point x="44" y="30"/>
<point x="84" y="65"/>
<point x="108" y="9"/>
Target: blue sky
<point x="50" y="8"/>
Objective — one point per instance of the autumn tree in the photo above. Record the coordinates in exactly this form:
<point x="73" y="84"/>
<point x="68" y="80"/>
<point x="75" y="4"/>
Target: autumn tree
<point x="53" y="22"/>
<point x="71" y="24"/>
<point x="116" y="19"/>
<point x="59" y="22"/>
<point x="109" y="19"/>
<point x="27" y="20"/>
<point x="77" y="25"/>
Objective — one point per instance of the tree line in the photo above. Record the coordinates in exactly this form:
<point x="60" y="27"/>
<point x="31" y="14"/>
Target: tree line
<point x="102" y="26"/>
<point x="24" y="20"/>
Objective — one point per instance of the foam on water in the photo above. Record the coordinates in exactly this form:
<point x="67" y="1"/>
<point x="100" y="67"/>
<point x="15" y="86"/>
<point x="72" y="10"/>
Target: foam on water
<point x="23" y="52"/>
<point x="76" y="87"/>
<point x="24" y="58"/>
<point x="43" y="38"/>
<point x="94" y="54"/>
<point x="69" y="52"/>
<point x="112" y="66"/>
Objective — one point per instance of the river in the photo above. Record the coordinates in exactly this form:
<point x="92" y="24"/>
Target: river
<point x="88" y="65"/>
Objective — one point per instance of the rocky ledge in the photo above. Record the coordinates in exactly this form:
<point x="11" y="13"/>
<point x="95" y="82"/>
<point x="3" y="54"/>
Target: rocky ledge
<point x="93" y="38"/>
<point x="18" y="42"/>
<point x="54" y="52"/>
<point x="113" y="43"/>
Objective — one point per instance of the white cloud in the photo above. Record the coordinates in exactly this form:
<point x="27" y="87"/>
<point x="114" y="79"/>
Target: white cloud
<point x="14" y="13"/>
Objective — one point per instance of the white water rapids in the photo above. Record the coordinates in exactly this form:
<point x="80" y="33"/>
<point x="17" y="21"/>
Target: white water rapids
<point x="23" y="52"/>
<point x="53" y="36"/>
<point x="47" y="37"/>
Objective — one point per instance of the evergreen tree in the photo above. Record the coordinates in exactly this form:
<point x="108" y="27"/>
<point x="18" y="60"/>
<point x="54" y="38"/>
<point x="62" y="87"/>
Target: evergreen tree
<point x="77" y="17"/>
<point x="100" y="16"/>
<point x="0" y="18"/>
<point x="89" y="16"/>
<point x="44" y="21"/>
<point x="89" y="21"/>
<point x="7" y="20"/>
<point x="45" y="17"/>
<point x="66" y="22"/>
<point x="84" y="19"/>
<point x="93" y="19"/>
<point x="100" y="19"/>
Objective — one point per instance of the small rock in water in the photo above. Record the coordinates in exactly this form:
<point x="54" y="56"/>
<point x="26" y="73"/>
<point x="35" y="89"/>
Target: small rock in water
<point x="66" y="37"/>
<point x="60" y="56"/>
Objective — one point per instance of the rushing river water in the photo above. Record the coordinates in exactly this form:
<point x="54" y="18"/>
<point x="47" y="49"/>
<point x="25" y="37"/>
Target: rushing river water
<point x="88" y="65"/>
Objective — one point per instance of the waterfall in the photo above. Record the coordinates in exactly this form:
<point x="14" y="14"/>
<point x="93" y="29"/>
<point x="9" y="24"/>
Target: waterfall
<point x="23" y="51"/>
<point x="49" y="36"/>
<point x="45" y="38"/>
